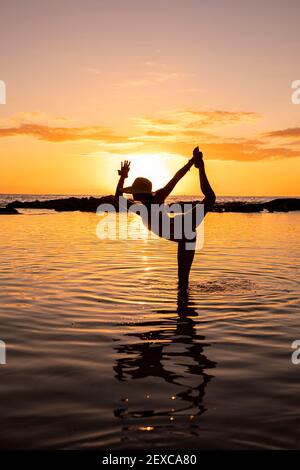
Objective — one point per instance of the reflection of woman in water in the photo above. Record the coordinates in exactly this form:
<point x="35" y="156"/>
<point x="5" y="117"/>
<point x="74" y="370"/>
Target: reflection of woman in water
<point x="167" y="349"/>
<point x="141" y="190"/>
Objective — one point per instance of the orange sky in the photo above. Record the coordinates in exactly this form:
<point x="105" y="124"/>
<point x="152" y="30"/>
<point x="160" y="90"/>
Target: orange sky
<point x="90" y="83"/>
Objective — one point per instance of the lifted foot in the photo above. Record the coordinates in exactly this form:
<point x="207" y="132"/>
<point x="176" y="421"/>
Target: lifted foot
<point x="198" y="157"/>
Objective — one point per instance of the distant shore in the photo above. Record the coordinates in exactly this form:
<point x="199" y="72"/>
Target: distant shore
<point x="90" y="204"/>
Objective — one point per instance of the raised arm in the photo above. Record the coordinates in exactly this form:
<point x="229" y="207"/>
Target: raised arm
<point x="123" y="172"/>
<point x="163" y="193"/>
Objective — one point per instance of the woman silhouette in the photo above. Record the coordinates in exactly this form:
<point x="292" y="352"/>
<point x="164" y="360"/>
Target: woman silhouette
<point x="141" y="190"/>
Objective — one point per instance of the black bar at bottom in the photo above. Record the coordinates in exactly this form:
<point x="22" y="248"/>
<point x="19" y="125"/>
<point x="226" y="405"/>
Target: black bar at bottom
<point x="137" y="459"/>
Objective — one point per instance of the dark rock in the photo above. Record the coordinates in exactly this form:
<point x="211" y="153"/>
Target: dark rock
<point x="83" y="204"/>
<point x="90" y="204"/>
<point x="283" y="205"/>
<point x="276" y="205"/>
<point x="8" y="210"/>
<point x="237" y="206"/>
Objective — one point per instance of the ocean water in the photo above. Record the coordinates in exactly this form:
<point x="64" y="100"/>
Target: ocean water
<point x="102" y="354"/>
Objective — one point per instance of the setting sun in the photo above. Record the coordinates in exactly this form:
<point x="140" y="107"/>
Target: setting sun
<point x="151" y="166"/>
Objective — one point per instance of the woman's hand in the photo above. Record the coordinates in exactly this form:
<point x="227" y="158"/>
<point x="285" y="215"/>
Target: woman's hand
<point x="125" y="167"/>
<point x="198" y="157"/>
<point x="197" y="153"/>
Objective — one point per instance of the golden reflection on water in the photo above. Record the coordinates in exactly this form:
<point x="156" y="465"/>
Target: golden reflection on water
<point x="146" y="428"/>
<point x="100" y="346"/>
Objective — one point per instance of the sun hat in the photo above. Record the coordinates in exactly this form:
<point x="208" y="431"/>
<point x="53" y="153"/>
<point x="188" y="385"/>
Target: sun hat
<point x="139" y="186"/>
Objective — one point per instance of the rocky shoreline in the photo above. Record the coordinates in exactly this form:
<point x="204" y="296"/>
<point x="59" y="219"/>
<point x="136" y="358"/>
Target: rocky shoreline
<point x="90" y="204"/>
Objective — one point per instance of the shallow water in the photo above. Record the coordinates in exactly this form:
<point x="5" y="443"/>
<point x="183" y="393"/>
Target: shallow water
<point x="102" y="354"/>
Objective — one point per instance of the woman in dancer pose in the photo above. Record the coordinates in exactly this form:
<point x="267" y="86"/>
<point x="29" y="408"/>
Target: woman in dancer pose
<point x="141" y="190"/>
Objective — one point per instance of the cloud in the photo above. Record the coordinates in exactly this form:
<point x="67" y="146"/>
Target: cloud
<point x="190" y="90"/>
<point x="34" y="117"/>
<point x="247" y="151"/>
<point x="60" y="134"/>
<point x="184" y="125"/>
<point x="292" y="132"/>
<point x="38" y="117"/>
<point x="221" y="150"/>
<point x="152" y="78"/>
<point x="178" y="125"/>
<point x="237" y="151"/>
<point x="220" y="117"/>
<point x="152" y="73"/>
<point x="181" y="120"/>
<point x="173" y="133"/>
<point x="94" y="71"/>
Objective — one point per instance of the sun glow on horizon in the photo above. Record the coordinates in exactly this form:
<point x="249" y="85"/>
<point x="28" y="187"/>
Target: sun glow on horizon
<point x="151" y="166"/>
<point x="76" y="107"/>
